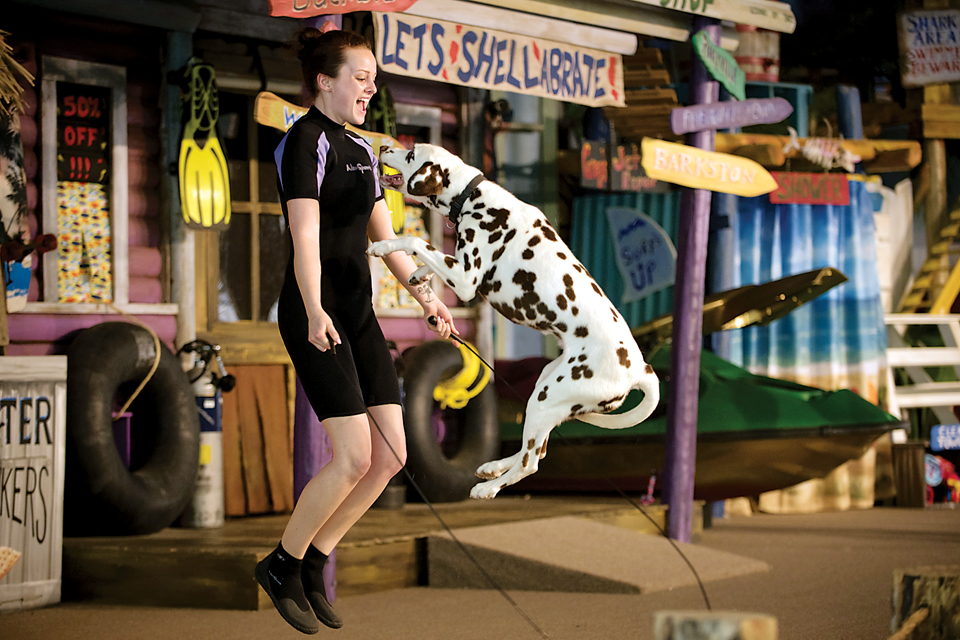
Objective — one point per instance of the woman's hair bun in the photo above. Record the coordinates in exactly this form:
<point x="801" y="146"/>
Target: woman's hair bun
<point x="308" y="37"/>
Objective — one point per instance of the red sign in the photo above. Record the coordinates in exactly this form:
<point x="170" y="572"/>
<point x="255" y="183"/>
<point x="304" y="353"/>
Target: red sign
<point x="810" y="188"/>
<point x="83" y="133"/>
<point x="310" y="8"/>
<point x="593" y="165"/>
<point x="626" y="174"/>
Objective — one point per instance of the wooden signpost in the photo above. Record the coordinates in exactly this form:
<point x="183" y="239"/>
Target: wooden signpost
<point x="699" y="169"/>
<point x="728" y="115"/>
<point x="721" y="65"/>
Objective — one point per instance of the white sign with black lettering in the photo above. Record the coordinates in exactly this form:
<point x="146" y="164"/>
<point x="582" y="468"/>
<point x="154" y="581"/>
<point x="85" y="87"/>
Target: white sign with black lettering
<point x="33" y="397"/>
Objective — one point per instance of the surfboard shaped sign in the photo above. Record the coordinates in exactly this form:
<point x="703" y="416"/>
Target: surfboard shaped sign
<point x="728" y="115"/>
<point x="721" y="65"/>
<point x="699" y="169"/>
<point x="271" y="110"/>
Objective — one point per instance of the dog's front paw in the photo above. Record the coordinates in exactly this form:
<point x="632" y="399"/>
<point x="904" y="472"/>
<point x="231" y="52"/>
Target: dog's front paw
<point x="386" y="247"/>
<point x="420" y="275"/>
<point x="495" y="469"/>
<point x="485" y="491"/>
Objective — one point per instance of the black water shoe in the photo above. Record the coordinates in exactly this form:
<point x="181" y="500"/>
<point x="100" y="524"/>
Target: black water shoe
<point x="314" y="588"/>
<point x="279" y="575"/>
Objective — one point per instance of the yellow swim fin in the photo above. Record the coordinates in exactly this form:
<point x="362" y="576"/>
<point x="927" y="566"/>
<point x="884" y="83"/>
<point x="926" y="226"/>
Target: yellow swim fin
<point x="203" y="173"/>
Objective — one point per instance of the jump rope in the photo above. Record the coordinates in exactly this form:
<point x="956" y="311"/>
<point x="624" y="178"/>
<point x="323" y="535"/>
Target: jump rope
<point x="466" y="552"/>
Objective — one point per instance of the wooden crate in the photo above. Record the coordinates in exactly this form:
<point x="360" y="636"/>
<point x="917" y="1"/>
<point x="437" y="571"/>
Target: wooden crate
<point x="33" y="408"/>
<point x="257" y="442"/>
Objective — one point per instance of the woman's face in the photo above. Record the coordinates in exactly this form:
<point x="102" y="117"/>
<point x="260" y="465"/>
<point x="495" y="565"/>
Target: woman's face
<point x="345" y="97"/>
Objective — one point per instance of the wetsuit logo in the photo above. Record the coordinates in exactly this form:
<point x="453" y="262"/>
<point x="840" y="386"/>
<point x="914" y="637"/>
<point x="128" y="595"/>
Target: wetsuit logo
<point x="359" y="167"/>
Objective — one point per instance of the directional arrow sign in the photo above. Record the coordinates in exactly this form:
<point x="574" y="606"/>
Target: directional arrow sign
<point x="698" y="169"/>
<point x="727" y="115"/>
<point x="720" y="64"/>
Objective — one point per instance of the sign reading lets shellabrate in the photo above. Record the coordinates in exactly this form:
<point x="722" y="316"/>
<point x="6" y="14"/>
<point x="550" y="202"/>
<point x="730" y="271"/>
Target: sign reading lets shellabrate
<point x="484" y="58"/>
<point x="698" y="169"/>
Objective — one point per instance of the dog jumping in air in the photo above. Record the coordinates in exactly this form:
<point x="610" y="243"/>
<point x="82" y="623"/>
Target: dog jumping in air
<point x="509" y="254"/>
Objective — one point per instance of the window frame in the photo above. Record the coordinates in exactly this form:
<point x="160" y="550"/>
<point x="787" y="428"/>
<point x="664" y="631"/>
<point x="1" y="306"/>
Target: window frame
<point x="113" y="77"/>
<point x="251" y="340"/>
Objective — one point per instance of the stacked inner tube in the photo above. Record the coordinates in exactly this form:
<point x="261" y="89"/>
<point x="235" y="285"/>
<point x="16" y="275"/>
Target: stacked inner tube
<point x="445" y="476"/>
<point x="103" y="497"/>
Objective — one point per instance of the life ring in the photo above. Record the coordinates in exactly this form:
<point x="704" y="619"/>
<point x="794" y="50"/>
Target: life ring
<point x="445" y="476"/>
<point x="103" y="497"/>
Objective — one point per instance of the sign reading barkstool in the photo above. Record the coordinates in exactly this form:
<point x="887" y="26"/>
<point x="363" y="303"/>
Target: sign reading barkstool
<point x="645" y="255"/>
<point x="929" y="46"/>
<point x="720" y="64"/>
<point x="699" y="169"/>
<point x="477" y="57"/>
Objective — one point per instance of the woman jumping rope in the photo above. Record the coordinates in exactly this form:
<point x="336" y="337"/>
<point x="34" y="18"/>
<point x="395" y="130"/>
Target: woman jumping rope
<point x="332" y="202"/>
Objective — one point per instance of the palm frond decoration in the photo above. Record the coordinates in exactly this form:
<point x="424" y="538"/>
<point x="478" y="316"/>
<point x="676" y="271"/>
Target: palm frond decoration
<point x="11" y="93"/>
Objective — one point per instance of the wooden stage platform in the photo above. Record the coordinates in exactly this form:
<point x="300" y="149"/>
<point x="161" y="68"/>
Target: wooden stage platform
<point x="386" y="549"/>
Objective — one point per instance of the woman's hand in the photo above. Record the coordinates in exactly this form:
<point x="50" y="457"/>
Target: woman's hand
<point x="442" y="323"/>
<point x="320" y="331"/>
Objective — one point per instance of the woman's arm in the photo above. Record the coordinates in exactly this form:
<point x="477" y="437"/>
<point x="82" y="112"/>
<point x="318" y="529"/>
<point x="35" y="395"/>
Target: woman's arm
<point x="304" y="217"/>
<point x="402" y="265"/>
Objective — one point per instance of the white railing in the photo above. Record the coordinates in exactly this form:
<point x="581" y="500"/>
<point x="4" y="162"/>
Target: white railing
<point x="923" y="391"/>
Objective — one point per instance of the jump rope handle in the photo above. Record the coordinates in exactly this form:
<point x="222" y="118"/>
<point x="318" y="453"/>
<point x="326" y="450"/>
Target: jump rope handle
<point x="432" y="320"/>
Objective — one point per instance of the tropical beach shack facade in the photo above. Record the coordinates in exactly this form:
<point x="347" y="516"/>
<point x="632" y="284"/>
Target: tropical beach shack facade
<point x="553" y="102"/>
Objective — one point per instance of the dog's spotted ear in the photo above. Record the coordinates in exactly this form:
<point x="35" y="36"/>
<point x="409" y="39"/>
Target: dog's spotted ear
<point x="428" y="180"/>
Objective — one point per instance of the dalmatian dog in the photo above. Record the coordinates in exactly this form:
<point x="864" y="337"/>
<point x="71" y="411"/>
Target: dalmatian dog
<point x="509" y="254"/>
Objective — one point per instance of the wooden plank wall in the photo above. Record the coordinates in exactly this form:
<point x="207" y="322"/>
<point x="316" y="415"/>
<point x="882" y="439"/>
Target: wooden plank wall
<point x="257" y="442"/>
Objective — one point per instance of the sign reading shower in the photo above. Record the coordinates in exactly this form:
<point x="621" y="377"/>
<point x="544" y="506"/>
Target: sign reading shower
<point x="83" y="144"/>
<point x="645" y="255"/>
<point x="484" y="58"/>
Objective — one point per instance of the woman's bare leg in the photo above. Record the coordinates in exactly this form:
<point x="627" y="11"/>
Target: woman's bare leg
<point x="383" y="466"/>
<point x="326" y="491"/>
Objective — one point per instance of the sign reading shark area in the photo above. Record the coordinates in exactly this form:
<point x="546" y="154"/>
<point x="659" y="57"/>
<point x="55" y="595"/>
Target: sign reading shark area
<point x="929" y="44"/>
<point x="720" y="64"/>
<point x="645" y="255"/>
<point x="310" y="8"/>
<point x="727" y="115"/>
<point x="484" y="58"/>
<point x="698" y="169"/>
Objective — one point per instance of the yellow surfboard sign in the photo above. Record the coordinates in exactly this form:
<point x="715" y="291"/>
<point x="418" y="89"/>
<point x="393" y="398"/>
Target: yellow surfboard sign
<point x="699" y="169"/>
<point x="271" y="110"/>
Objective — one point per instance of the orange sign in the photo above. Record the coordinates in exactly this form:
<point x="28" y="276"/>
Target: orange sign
<point x="310" y="8"/>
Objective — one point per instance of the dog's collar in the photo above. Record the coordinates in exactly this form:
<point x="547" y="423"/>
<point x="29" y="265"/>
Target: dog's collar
<point x="459" y="201"/>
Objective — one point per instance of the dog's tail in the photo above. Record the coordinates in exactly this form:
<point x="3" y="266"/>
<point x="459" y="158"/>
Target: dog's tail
<point x="650" y="386"/>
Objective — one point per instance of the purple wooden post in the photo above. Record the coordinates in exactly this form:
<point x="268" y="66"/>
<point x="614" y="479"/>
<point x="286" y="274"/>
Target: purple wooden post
<point x="311" y="451"/>
<point x="681" y="445"/>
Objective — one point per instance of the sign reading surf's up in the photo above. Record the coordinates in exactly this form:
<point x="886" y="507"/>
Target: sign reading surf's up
<point x="477" y="57"/>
